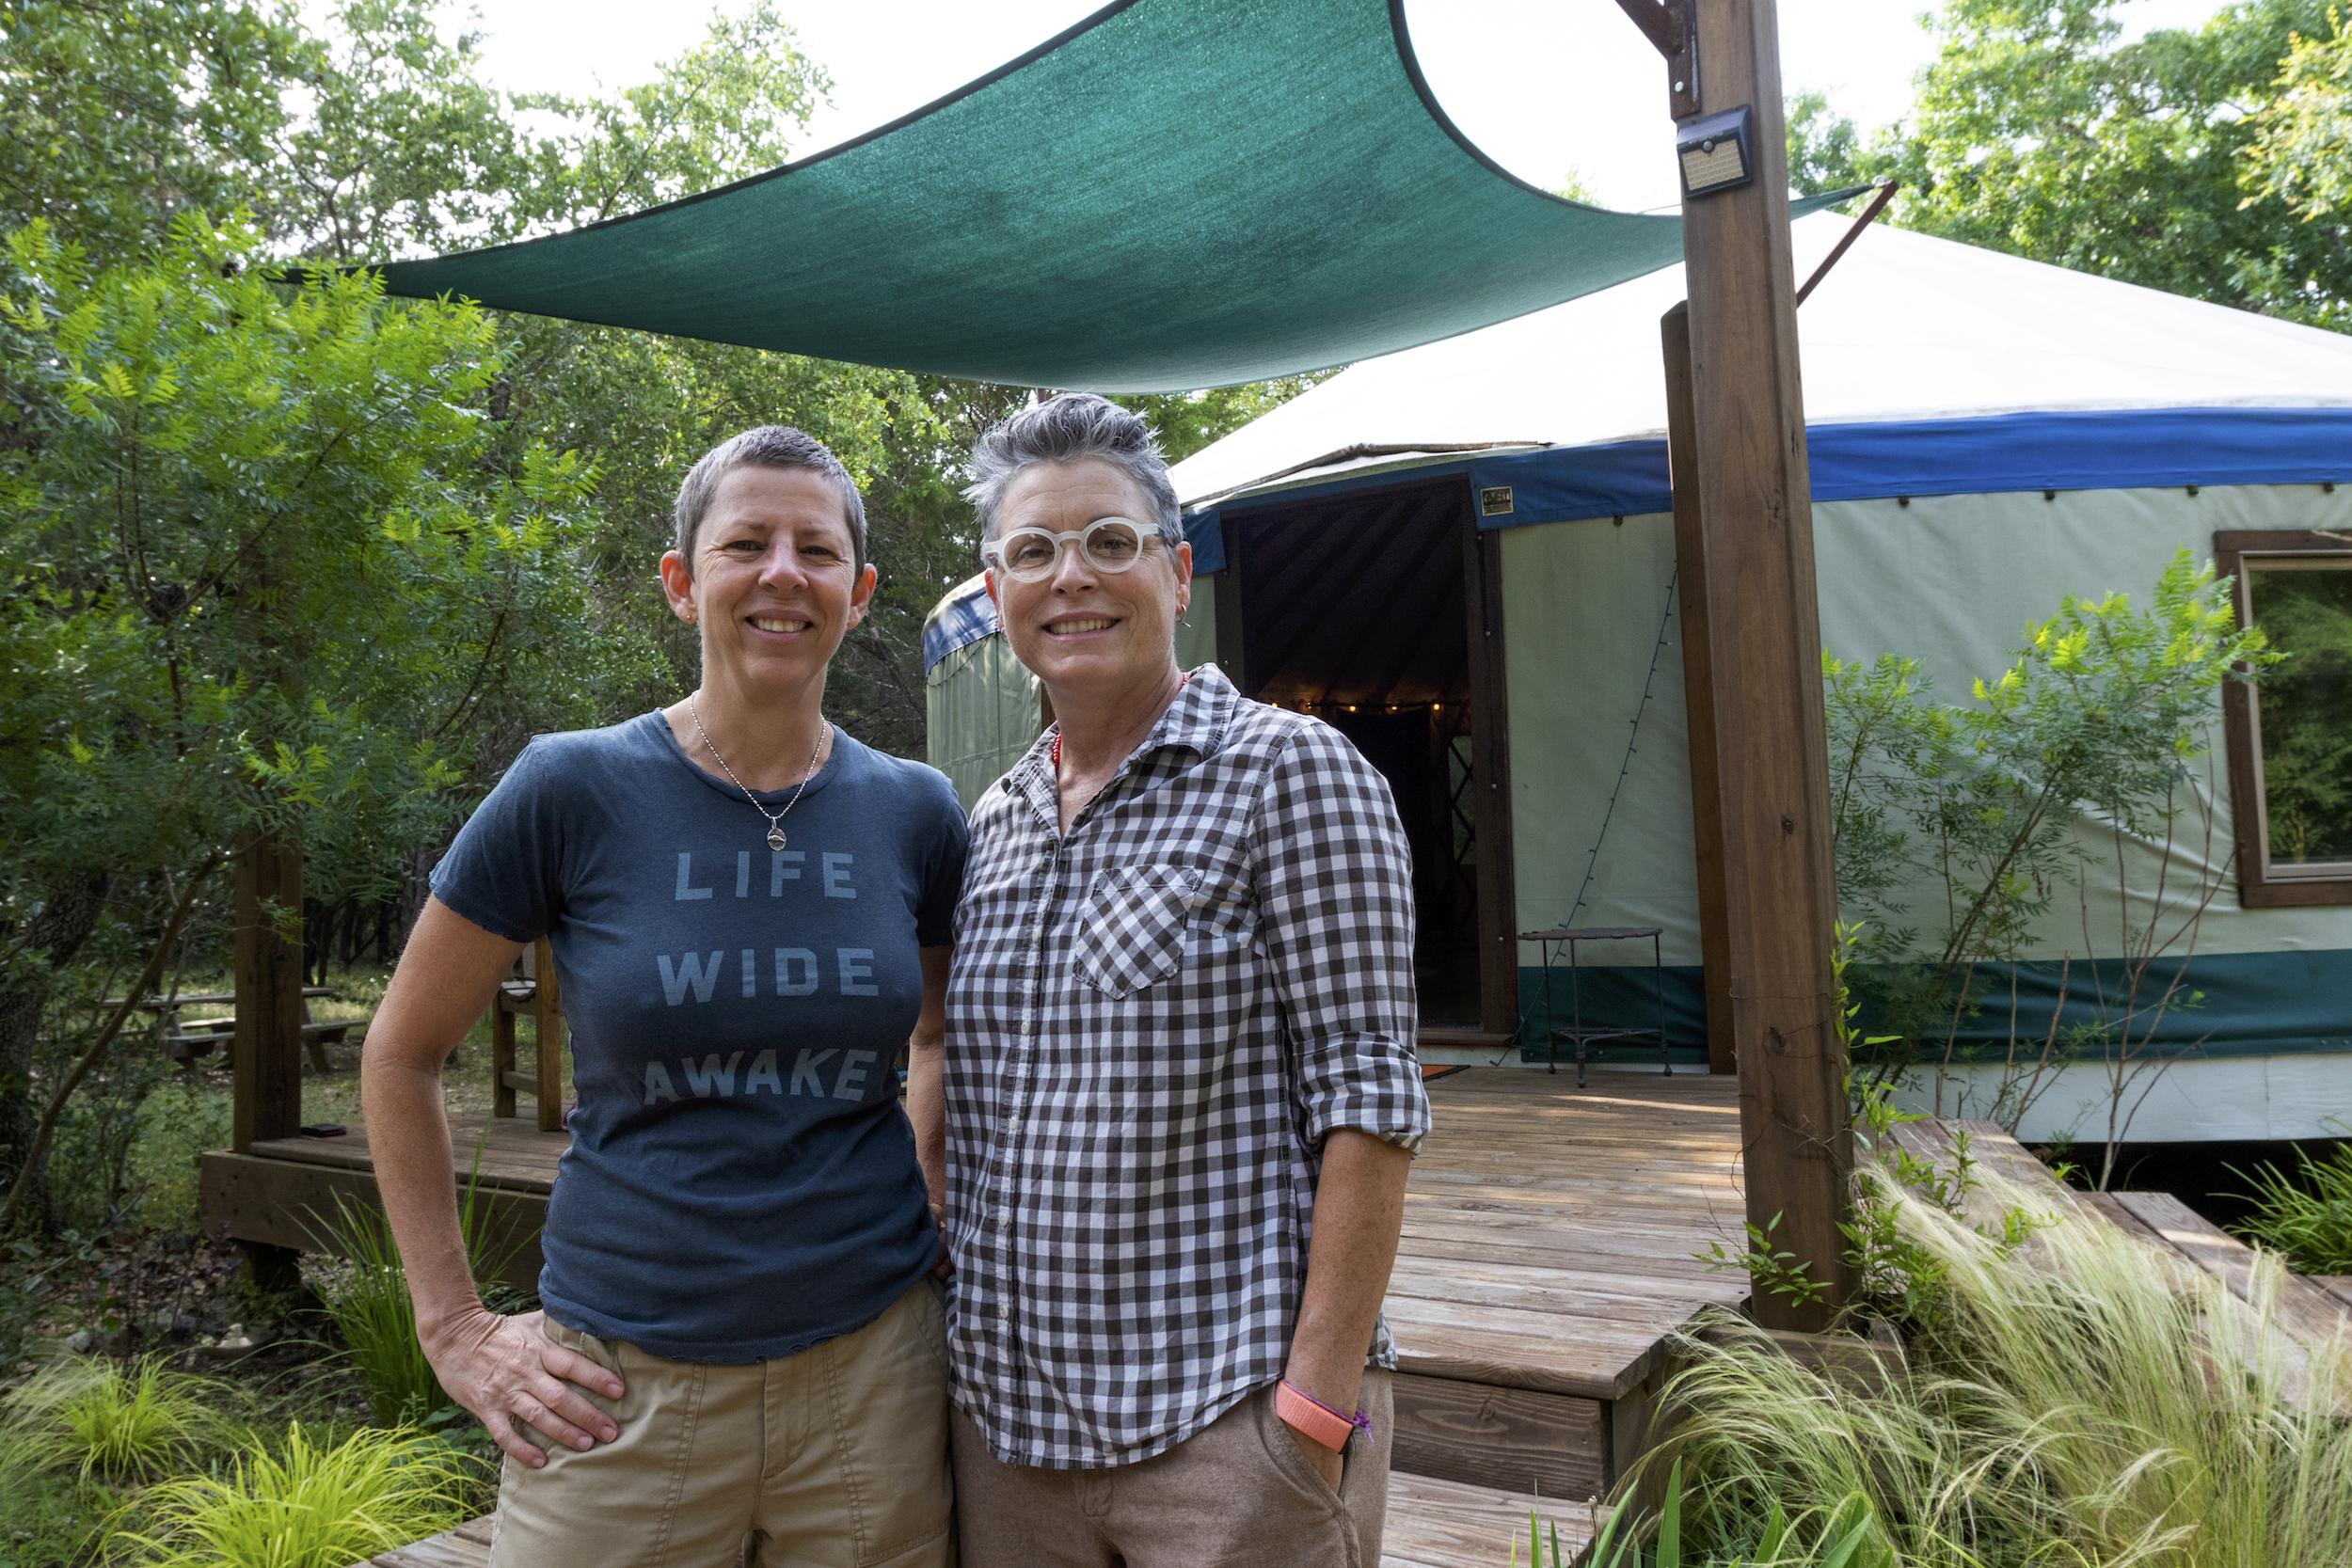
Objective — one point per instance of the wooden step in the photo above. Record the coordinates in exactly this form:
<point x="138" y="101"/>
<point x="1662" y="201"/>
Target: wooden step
<point x="1518" y="1439"/>
<point x="2308" y="1312"/>
<point x="466" y="1547"/>
<point x="1447" y="1524"/>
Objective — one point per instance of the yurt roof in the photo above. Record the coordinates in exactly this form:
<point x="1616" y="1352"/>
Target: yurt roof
<point x="1930" y="368"/>
<point x="1906" y="329"/>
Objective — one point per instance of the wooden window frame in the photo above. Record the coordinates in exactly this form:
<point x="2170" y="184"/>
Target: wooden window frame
<point x="2261" y="887"/>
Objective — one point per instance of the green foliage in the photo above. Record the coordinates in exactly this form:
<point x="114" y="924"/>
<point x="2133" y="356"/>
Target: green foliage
<point x="177" y="1123"/>
<point x="2307" y="712"/>
<point x="369" y="1301"/>
<point x="262" y="569"/>
<point x="310" y="1506"/>
<point x="2091" y="733"/>
<point x="2301" y="151"/>
<point x="2306" y="1216"/>
<point x="105" y="1420"/>
<point x="116" y="119"/>
<point x="2188" y="160"/>
<point x="2077" y="1402"/>
<point x="1774" y="1271"/>
<point x="94" y="1163"/>
<point x="1842" y="1539"/>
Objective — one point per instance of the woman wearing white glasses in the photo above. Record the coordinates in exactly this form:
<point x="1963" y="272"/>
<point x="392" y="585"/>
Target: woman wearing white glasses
<point x="1181" y="1089"/>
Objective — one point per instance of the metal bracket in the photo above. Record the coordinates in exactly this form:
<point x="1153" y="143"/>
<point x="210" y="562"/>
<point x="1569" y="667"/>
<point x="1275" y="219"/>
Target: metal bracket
<point x="1673" y="31"/>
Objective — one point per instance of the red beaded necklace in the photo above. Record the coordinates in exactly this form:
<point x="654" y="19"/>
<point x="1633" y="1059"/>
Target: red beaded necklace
<point x="1182" y="682"/>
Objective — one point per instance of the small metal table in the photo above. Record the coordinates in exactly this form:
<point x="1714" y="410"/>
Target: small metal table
<point x="1560" y="939"/>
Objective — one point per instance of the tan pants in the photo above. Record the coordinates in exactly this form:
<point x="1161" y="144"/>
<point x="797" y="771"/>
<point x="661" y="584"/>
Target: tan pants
<point x="833" y="1458"/>
<point x="1237" y="1494"/>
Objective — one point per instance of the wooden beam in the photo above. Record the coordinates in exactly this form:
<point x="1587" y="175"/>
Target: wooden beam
<point x="1667" y="25"/>
<point x="267" y="1072"/>
<point x="1769" y="733"/>
<point x="1474" y="1433"/>
<point x="1698" y="690"/>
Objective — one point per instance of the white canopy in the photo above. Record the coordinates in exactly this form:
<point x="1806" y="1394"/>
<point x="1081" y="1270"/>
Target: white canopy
<point x="1905" y="327"/>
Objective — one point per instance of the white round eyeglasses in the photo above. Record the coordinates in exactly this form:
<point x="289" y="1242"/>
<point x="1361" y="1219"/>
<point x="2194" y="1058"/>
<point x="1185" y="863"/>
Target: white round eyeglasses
<point x="1034" y="554"/>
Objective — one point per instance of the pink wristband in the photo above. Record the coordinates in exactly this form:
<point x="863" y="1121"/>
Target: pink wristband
<point x="1315" y="1420"/>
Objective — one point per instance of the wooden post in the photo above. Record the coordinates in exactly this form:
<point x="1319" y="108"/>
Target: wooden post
<point x="267" y="1069"/>
<point x="1490" y="782"/>
<point x="1755" y="533"/>
<point x="547" y="1013"/>
<point x="501" y="1055"/>
<point x="268" y="1066"/>
<point x="1698" y="690"/>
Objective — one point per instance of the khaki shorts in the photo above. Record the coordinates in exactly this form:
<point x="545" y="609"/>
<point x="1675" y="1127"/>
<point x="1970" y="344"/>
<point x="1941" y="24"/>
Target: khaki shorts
<point x="1237" y="1494"/>
<point x="833" y="1458"/>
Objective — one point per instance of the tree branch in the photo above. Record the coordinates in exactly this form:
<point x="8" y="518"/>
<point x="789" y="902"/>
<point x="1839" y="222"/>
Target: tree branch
<point x="148" y="976"/>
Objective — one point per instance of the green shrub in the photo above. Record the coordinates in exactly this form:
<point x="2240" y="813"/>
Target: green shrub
<point x="2074" y="1400"/>
<point x="178" y="1123"/>
<point x="307" y="1507"/>
<point x="120" y="1423"/>
<point x="2308" y="1217"/>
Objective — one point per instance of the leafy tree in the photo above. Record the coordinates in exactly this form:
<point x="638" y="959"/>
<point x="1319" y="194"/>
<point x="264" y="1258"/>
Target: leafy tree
<point x="260" y="575"/>
<point x="2037" y="133"/>
<point x="116" y="117"/>
<point x="2301" y="152"/>
<point x="403" y="149"/>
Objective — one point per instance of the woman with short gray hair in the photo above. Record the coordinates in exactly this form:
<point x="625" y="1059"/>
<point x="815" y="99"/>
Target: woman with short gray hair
<point x="1179" y="1044"/>
<point x="740" y="1353"/>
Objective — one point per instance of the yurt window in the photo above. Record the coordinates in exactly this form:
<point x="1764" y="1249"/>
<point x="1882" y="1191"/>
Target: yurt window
<point x="2290" y="738"/>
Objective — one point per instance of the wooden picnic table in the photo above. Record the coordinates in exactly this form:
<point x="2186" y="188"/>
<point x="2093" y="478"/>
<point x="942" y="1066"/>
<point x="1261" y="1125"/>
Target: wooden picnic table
<point x="185" y="1039"/>
<point x="172" y="1004"/>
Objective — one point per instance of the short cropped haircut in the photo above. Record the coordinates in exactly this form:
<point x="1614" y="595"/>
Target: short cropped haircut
<point x="1070" y="428"/>
<point x="770" y="446"/>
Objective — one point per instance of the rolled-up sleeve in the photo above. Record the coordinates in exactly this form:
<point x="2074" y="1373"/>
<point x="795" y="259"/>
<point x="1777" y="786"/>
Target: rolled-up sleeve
<point x="1335" y="909"/>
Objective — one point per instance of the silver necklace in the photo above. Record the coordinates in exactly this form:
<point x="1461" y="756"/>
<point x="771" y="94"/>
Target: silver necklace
<point x="776" y="818"/>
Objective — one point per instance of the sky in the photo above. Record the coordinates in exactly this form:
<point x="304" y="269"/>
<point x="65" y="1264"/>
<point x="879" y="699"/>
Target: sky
<point x="1549" y="89"/>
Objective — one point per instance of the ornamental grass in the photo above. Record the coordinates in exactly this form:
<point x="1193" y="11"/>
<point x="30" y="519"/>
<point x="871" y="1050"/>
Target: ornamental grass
<point x="306" y="1506"/>
<point x="113" y="1422"/>
<point x="2076" y="1401"/>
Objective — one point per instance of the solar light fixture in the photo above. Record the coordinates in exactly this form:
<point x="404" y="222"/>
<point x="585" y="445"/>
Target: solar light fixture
<point x="1717" y="151"/>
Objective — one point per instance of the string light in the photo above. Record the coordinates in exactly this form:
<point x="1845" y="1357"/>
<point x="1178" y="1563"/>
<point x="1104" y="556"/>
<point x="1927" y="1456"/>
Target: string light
<point x="1302" y="706"/>
<point x="1592" y="858"/>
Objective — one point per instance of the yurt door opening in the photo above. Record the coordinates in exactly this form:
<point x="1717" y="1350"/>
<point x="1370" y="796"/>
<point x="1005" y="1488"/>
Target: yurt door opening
<point x="1376" y="611"/>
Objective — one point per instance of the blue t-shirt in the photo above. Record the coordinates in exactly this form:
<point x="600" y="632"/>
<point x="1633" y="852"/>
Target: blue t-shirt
<point x="740" y="1182"/>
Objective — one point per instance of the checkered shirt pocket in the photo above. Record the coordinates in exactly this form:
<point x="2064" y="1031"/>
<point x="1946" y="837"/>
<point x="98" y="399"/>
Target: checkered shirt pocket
<point x="1132" y="934"/>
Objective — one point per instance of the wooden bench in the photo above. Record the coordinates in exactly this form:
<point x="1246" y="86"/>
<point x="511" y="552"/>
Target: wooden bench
<point x="200" y="1038"/>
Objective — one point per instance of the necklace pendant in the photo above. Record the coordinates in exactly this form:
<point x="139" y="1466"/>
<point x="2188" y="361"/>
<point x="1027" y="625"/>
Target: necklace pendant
<point x="775" y="838"/>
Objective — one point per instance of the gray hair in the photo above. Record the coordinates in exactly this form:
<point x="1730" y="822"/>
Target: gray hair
<point x="1070" y="428"/>
<point x="770" y="446"/>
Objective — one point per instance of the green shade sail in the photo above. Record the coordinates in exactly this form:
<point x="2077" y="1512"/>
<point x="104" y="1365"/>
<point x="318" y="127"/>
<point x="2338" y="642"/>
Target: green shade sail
<point x="1172" y="194"/>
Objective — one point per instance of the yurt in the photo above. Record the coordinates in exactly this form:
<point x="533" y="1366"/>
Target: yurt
<point x="1463" y="556"/>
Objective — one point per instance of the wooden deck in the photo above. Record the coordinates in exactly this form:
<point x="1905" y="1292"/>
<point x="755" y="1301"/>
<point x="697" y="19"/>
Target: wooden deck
<point x="1549" y="1252"/>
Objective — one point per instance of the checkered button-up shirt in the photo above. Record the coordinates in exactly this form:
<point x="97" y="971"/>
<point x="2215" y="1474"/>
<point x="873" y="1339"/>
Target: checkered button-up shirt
<point x="1153" y="1020"/>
